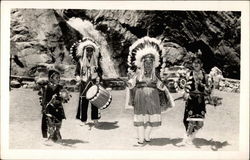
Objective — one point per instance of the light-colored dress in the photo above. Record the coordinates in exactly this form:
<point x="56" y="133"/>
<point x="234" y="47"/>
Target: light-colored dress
<point x="146" y="101"/>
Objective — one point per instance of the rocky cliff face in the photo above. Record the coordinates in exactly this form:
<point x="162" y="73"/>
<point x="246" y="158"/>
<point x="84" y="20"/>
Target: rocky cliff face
<point x="46" y="36"/>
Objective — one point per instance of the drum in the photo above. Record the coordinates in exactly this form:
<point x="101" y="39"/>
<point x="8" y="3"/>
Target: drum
<point x="99" y="96"/>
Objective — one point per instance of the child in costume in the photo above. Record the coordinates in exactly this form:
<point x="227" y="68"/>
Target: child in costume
<point x="146" y="87"/>
<point x="196" y="90"/>
<point x="52" y="97"/>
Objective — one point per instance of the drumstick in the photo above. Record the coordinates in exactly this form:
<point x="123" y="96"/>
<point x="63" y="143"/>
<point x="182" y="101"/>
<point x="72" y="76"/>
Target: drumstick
<point x="86" y="88"/>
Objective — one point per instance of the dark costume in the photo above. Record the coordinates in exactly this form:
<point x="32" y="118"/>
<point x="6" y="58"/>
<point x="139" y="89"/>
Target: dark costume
<point x="82" y="109"/>
<point x="52" y="111"/>
<point x="195" y="104"/>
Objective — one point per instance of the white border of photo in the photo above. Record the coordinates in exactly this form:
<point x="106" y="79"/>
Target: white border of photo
<point x="243" y="151"/>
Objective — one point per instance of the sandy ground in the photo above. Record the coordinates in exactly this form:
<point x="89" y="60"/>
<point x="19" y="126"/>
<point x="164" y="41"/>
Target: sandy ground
<point x="220" y="132"/>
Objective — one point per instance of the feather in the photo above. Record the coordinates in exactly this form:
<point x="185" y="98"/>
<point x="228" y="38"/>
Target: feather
<point x="142" y="47"/>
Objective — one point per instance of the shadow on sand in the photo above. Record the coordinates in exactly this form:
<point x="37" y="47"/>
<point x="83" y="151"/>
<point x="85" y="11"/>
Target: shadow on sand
<point x="71" y="142"/>
<point x="165" y="141"/>
<point x="104" y="125"/>
<point x="197" y="142"/>
<point x="215" y="145"/>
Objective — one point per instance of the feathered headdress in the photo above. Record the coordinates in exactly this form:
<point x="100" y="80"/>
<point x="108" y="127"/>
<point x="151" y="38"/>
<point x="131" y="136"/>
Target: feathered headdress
<point x="76" y="50"/>
<point x="142" y="47"/>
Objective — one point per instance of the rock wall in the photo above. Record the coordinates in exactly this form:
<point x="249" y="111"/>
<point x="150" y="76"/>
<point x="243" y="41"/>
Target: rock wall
<point x="39" y="36"/>
<point x="45" y="36"/>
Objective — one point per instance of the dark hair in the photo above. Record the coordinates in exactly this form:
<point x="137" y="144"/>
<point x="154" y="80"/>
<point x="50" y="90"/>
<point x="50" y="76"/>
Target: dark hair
<point x="196" y="59"/>
<point x="52" y="72"/>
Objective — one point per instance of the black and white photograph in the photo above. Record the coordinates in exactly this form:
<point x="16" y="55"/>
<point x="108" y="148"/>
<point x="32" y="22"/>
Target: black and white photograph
<point x="122" y="80"/>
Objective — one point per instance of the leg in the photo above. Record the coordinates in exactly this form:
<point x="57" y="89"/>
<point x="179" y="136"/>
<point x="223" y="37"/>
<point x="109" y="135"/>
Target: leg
<point x="191" y="126"/>
<point x="185" y="122"/>
<point x="51" y="129"/>
<point x="44" y="126"/>
<point x="95" y="113"/>
<point x="199" y="125"/>
<point x="188" y="127"/>
<point x="57" y="132"/>
<point x="78" y="113"/>
<point x="82" y="109"/>
<point x="148" y="131"/>
<point x="140" y="133"/>
<point x="189" y="133"/>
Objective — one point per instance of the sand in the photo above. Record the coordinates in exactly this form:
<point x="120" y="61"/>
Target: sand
<point x="220" y="132"/>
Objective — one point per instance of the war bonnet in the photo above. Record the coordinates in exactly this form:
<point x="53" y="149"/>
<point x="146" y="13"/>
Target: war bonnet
<point x="143" y="47"/>
<point x="77" y="49"/>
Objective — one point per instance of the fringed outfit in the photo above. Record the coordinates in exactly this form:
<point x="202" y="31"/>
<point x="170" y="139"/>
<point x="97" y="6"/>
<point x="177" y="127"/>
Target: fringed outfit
<point x="52" y="111"/>
<point x="195" y="107"/>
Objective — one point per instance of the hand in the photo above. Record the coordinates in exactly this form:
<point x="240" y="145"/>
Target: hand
<point x="129" y="84"/>
<point x="49" y="115"/>
<point x="186" y="96"/>
<point x="97" y="80"/>
<point x="78" y="79"/>
<point x="126" y="83"/>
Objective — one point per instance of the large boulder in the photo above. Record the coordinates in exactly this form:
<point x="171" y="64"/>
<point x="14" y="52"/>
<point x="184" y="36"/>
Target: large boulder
<point x="174" y="53"/>
<point x="44" y="35"/>
<point x="37" y="36"/>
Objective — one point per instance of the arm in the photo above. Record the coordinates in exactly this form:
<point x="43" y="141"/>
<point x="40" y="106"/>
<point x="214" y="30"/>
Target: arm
<point x="160" y="85"/>
<point x="43" y="97"/>
<point x="77" y="72"/>
<point x="208" y="85"/>
<point x="187" y="86"/>
<point x="132" y="82"/>
<point x="99" y="68"/>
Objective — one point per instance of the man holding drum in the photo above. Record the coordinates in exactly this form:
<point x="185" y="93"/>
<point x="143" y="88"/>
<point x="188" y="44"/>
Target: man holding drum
<point x="88" y="73"/>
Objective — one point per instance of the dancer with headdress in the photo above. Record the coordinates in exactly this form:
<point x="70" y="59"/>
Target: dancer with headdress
<point x="88" y="73"/>
<point x="145" y="87"/>
<point x="196" y="90"/>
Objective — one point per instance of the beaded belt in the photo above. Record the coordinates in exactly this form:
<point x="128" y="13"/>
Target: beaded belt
<point x="141" y="85"/>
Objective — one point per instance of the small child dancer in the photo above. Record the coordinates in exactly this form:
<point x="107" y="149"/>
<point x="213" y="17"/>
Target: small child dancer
<point x="53" y="95"/>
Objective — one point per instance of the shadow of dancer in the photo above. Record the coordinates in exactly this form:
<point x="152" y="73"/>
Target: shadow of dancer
<point x="71" y="142"/>
<point x="104" y="125"/>
<point x="165" y="141"/>
<point x="215" y="145"/>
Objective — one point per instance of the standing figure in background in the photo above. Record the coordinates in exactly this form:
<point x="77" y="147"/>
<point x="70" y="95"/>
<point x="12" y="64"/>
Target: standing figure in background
<point x="88" y="72"/>
<point x="52" y="108"/>
<point x="147" y="87"/>
<point x="195" y="108"/>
